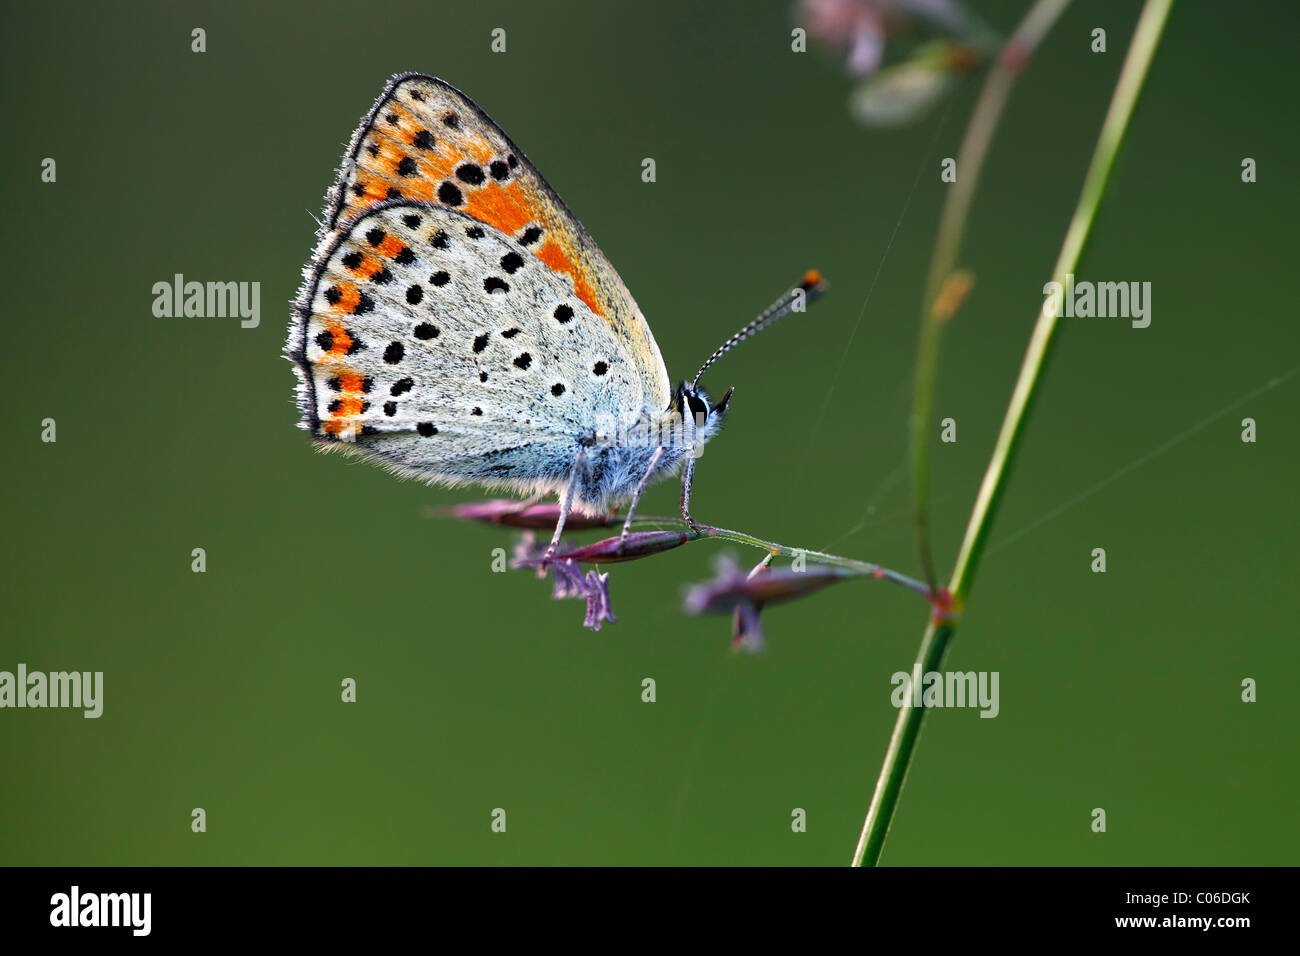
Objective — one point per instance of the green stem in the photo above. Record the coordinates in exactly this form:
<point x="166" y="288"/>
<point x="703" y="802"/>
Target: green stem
<point x="939" y="634"/>
<point x="952" y="227"/>
<point x="934" y="644"/>
<point x="820" y="557"/>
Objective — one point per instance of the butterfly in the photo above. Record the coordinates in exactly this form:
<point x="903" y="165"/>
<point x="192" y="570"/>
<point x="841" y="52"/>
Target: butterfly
<point x="457" y="324"/>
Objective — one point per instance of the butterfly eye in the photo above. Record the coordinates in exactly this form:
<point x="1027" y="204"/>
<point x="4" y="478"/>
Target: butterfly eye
<point x="699" y="410"/>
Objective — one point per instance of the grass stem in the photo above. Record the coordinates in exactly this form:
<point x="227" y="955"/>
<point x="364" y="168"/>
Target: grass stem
<point x="938" y="635"/>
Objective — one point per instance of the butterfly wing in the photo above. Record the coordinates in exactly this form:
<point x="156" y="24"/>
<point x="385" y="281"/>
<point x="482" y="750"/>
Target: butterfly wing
<point x="425" y="140"/>
<point x="439" y="346"/>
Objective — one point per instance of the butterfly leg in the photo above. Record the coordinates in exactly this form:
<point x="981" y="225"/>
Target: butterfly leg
<point x="640" y="489"/>
<point x="566" y="502"/>
<point x="688" y="479"/>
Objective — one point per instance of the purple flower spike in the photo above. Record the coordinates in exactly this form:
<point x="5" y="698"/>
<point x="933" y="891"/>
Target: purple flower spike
<point x="504" y="511"/>
<point x="859" y="27"/>
<point x="571" y="583"/>
<point x="746" y="632"/>
<point x="784" y="584"/>
<point x="598" y="609"/>
<point x="855" y="26"/>
<point x="527" y="549"/>
<point x="639" y="544"/>
<point x="745" y="595"/>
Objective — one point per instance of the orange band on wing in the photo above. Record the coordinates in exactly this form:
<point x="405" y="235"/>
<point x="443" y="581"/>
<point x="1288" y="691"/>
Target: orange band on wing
<point x="349" y="297"/>
<point x="555" y="258"/>
<point x="401" y="166"/>
<point x="350" y="382"/>
<point x="504" y="207"/>
<point x="391" y="246"/>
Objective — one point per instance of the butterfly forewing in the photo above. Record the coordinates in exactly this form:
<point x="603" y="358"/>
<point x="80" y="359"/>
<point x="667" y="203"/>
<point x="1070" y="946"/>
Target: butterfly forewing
<point x="426" y="141"/>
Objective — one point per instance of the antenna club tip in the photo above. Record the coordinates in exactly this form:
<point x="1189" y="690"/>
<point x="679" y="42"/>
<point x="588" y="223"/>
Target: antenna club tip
<point x="812" y="279"/>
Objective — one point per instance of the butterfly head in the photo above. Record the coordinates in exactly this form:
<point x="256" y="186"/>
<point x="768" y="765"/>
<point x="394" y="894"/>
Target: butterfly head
<point x="691" y="405"/>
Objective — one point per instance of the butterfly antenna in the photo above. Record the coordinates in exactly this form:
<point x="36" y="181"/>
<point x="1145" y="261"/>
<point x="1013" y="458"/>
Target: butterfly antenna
<point x="810" y="288"/>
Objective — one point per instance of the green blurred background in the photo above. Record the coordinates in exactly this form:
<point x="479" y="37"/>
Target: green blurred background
<point x="477" y="691"/>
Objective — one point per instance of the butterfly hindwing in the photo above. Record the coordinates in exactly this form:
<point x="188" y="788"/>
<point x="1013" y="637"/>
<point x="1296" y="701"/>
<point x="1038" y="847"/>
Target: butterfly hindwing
<point x="426" y="141"/>
<point x="438" y="345"/>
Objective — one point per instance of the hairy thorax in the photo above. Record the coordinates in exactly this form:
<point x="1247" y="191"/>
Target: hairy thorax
<point x="613" y="465"/>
